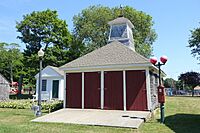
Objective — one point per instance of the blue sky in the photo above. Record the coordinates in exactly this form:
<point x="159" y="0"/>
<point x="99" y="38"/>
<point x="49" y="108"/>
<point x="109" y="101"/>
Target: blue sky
<point x="173" y="21"/>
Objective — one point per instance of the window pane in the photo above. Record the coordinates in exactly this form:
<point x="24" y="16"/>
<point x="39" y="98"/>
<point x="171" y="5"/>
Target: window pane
<point x="44" y="85"/>
<point x="118" y="31"/>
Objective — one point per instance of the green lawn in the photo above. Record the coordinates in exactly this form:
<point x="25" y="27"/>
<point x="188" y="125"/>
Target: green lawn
<point x="182" y="116"/>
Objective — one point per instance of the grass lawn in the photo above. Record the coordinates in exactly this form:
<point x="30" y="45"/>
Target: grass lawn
<point x="182" y="116"/>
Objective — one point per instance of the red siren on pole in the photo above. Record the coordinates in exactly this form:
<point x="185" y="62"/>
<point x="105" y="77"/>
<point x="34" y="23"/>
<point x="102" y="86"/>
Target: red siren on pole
<point x="163" y="59"/>
<point x="153" y="60"/>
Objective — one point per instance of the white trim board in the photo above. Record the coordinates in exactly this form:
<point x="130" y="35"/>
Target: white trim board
<point x="107" y="69"/>
<point x="83" y="79"/>
<point x="123" y="66"/>
<point x="102" y="89"/>
<point x="65" y="91"/>
<point x="148" y="89"/>
<point x="124" y="89"/>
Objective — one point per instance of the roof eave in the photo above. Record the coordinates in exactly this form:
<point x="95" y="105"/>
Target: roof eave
<point x="37" y="75"/>
<point x="120" y="20"/>
<point x="57" y="71"/>
<point x="157" y="70"/>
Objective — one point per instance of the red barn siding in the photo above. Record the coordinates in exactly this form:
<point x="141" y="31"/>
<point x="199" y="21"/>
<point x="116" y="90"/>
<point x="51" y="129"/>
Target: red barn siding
<point x="113" y="92"/>
<point x="136" y="98"/>
<point x="74" y="90"/>
<point x="92" y="90"/>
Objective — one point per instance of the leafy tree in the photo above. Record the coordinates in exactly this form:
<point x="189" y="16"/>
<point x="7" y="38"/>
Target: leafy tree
<point x="91" y="27"/>
<point x="76" y="49"/>
<point x="170" y="83"/>
<point x="194" y="42"/>
<point x="191" y="79"/>
<point x="179" y="85"/>
<point x="43" y="29"/>
<point x="11" y="61"/>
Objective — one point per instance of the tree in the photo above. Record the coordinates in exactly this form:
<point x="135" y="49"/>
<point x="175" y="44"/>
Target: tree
<point x="194" y="42"/>
<point x="76" y="49"/>
<point x="11" y="61"/>
<point x="170" y="83"/>
<point x="43" y="29"/>
<point x="91" y="27"/>
<point x="191" y="79"/>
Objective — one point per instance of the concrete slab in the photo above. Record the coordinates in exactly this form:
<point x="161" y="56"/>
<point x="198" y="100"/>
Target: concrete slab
<point x="115" y="118"/>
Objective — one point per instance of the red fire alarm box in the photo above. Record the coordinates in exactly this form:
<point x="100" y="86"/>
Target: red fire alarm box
<point x="161" y="94"/>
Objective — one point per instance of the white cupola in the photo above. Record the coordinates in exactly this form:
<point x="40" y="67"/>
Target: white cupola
<point x="121" y="30"/>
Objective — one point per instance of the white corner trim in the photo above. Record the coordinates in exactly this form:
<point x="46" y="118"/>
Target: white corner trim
<point x="148" y="89"/>
<point x="65" y="90"/>
<point x="109" y="33"/>
<point x="127" y="28"/>
<point x="102" y="89"/>
<point x="124" y="88"/>
<point x="83" y="90"/>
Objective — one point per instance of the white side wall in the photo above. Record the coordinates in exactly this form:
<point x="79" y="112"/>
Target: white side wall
<point x="47" y="95"/>
<point x="50" y="75"/>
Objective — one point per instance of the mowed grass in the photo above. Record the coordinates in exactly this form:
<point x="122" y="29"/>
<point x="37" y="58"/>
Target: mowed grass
<point x="182" y="116"/>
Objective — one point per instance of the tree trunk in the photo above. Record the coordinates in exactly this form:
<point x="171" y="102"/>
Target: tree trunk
<point x="11" y="74"/>
<point x="192" y="91"/>
<point x="20" y="84"/>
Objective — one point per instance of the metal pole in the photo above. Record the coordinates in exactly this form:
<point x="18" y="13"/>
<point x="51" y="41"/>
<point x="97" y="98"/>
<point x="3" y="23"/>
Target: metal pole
<point x="162" y="107"/>
<point x="162" y="112"/>
<point x="39" y="113"/>
<point x="159" y="65"/>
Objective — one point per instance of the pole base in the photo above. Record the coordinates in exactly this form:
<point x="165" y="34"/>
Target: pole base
<point x="162" y="113"/>
<point x="38" y="113"/>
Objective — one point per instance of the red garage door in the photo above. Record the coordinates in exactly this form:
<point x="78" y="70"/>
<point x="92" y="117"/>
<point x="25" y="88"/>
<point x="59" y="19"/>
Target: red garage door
<point x="92" y="90"/>
<point x="136" y="98"/>
<point x="74" y="90"/>
<point x="113" y="92"/>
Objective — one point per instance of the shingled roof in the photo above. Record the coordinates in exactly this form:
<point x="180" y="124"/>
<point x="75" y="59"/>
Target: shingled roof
<point x="121" y="20"/>
<point x="114" y="53"/>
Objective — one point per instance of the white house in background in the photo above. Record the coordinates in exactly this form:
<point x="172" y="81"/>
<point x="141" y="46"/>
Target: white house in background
<point x="52" y="83"/>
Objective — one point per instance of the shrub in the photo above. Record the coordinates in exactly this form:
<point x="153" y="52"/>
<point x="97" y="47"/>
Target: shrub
<point x="15" y="104"/>
<point x="21" y="96"/>
<point x="27" y="104"/>
<point x="52" y="105"/>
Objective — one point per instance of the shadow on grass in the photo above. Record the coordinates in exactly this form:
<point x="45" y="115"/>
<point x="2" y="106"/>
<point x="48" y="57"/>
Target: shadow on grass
<point x="184" y="123"/>
<point x="186" y="96"/>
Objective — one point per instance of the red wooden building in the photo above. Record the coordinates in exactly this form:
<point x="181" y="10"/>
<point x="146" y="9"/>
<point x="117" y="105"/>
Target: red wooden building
<point x="113" y="76"/>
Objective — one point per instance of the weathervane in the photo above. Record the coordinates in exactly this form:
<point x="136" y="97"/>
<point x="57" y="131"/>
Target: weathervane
<point x="121" y="11"/>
